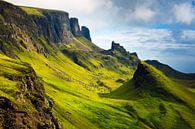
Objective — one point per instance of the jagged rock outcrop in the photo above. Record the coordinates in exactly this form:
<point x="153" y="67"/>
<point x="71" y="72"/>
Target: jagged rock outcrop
<point x="75" y="28"/>
<point x="85" y="32"/>
<point x="123" y="55"/>
<point x="116" y="46"/>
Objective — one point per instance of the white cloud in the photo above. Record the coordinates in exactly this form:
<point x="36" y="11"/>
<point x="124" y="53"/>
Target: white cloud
<point x="188" y="35"/>
<point x="73" y="6"/>
<point x="139" y="39"/>
<point x="144" y="13"/>
<point x="184" y="13"/>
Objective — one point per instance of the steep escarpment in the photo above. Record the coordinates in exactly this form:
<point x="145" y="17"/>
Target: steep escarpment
<point x="23" y="102"/>
<point x="33" y="29"/>
<point x="53" y="25"/>
<point x="77" y="31"/>
<point x="75" y="27"/>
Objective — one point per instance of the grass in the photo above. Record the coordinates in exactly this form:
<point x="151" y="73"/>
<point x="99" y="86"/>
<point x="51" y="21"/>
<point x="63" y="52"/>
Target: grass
<point x="74" y="92"/>
<point x="32" y="11"/>
<point x="77" y="104"/>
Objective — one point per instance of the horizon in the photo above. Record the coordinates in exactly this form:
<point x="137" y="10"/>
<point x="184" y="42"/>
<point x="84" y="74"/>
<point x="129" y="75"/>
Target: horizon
<point x="139" y="26"/>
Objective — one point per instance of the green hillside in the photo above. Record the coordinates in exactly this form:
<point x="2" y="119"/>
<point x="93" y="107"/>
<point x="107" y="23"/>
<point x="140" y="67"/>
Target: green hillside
<point x="158" y="94"/>
<point x="186" y="79"/>
<point x="52" y="79"/>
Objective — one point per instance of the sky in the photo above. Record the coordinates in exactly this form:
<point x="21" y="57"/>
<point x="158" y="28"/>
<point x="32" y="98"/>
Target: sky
<point x="163" y="30"/>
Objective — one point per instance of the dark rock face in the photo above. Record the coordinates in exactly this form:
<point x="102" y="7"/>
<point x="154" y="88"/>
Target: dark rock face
<point x="116" y="46"/>
<point x="85" y="32"/>
<point x="142" y="75"/>
<point x="75" y="28"/>
<point x="54" y="25"/>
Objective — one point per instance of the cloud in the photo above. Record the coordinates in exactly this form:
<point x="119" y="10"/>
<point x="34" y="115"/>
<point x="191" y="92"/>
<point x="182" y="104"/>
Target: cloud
<point x="74" y="6"/>
<point x="159" y="44"/>
<point x="148" y="42"/>
<point x="188" y="35"/>
<point x="144" y="13"/>
<point x="184" y="13"/>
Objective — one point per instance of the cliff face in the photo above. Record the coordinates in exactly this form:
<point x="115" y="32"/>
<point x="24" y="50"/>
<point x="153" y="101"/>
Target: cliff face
<point x="54" y="25"/>
<point x="85" y="32"/>
<point x="75" y="28"/>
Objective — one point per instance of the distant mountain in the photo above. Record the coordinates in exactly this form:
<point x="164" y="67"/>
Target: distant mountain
<point x="187" y="79"/>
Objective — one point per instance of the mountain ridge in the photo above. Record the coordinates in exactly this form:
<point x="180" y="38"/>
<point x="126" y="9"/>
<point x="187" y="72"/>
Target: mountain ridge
<point x="184" y="78"/>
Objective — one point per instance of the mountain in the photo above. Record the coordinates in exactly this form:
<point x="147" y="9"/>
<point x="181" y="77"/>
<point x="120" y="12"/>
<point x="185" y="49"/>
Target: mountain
<point x="187" y="79"/>
<point x="53" y="76"/>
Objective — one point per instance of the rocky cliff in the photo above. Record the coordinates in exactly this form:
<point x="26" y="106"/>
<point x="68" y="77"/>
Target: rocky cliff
<point x="75" y="28"/>
<point x="54" y="25"/>
<point x="85" y="32"/>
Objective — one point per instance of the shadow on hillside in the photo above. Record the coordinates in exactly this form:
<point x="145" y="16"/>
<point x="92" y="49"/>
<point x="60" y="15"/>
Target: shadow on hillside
<point x="124" y="92"/>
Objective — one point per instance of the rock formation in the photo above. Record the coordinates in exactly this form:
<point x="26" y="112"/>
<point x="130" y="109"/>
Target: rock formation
<point x="75" y="28"/>
<point x="85" y="32"/>
<point x="116" y="46"/>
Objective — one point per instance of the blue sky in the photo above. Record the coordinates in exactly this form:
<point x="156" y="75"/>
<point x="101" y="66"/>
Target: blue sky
<point x="156" y="29"/>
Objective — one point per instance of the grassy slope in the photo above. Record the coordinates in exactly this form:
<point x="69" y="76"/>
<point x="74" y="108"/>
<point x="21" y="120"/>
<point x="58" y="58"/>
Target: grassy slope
<point x="32" y="11"/>
<point x="76" y="107"/>
<point x="74" y="91"/>
<point x="162" y="112"/>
